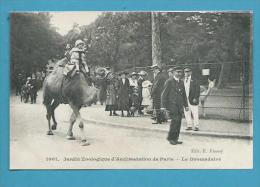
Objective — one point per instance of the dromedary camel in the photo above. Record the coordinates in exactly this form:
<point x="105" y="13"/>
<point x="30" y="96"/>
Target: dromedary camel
<point x="74" y="91"/>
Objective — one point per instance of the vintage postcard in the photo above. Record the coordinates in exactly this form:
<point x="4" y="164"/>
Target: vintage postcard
<point x="131" y="90"/>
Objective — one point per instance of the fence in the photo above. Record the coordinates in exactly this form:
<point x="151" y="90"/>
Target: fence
<point x="219" y="105"/>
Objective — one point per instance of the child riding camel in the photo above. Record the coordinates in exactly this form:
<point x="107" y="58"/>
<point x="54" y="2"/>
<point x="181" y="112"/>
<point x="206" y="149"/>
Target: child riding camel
<point x="77" y="58"/>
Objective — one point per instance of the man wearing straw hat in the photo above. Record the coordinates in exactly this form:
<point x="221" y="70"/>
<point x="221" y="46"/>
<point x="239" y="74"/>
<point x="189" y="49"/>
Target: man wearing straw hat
<point x="192" y="89"/>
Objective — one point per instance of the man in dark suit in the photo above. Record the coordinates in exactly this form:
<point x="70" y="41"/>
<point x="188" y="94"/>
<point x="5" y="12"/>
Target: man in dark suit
<point x="173" y="99"/>
<point x="192" y="90"/>
<point x="35" y="86"/>
<point x="156" y="91"/>
<point x="123" y="93"/>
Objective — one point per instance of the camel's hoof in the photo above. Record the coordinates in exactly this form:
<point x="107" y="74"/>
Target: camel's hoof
<point x="49" y="133"/>
<point x="54" y="127"/>
<point x="84" y="143"/>
<point x="70" y="137"/>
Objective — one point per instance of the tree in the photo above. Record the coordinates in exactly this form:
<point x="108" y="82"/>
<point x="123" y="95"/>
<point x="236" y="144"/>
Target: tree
<point x="127" y="40"/>
<point x="120" y="40"/>
<point x="156" y="40"/>
<point x="198" y="37"/>
<point x="33" y="42"/>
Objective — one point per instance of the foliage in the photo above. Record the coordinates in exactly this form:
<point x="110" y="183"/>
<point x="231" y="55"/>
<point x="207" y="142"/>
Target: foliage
<point x="115" y="39"/>
<point x="33" y="42"/>
<point x="122" y="40"/>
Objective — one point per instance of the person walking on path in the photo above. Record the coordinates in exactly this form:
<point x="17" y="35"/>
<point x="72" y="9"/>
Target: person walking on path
<point x="111" y="100"/>
<point x="35" y="86"/>
<point x="156" y="91"/>
<point x="142" y="74"/>
<point x="134" y="93"/>
<point x="174" y="98"/>
<point x="123" y="94"/>
<point x="192" y="90"/>
<point x="101" y="84"/>
<point x="146" y="95"/>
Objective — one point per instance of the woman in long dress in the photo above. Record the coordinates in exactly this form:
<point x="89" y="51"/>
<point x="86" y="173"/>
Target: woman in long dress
<point x="146" y="96"/>
<point x="111" y="97"/>
<point x="134" y="94"/>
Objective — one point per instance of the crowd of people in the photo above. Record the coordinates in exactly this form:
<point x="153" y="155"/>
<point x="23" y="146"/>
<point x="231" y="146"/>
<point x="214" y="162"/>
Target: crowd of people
<point x="128" y="93"/>
<point x="168" y="96"/>
<point x="27" y="88"/>
<point x="133" y="93"/>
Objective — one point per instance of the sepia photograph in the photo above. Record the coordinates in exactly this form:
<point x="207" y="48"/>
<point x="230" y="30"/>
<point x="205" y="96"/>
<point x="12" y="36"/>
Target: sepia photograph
<point x="131" y="90"/>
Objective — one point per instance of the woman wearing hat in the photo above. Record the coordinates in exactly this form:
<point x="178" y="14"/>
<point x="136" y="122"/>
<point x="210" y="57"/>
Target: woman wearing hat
<point x="134" y="93"/>
<point x="77" y="57"/>
<point x="146" y="93"/>
<point x="123" y="93"/>
<point x="111" y="93"/>
<point x="142" y="74"/>
<point x="133" y="80"/>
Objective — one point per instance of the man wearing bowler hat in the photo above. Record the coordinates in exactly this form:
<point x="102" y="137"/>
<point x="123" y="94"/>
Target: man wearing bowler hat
<point x="156" y="91"/>
<point x="192" y="90"/>
<point x="174" y="99"/>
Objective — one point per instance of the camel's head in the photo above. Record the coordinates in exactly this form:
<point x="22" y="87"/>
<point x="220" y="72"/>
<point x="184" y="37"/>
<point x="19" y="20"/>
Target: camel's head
<point x="102" y="72"/>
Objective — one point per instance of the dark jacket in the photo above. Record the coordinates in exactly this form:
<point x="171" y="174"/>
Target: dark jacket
<point x="34" y="85"/>
<point x="111" y="93"/>
<point x="173" y="96"/>
<point x="140" y="88"/>
<point x="194" y="92"/>
<point x="123" y="94"/>
<point x="157" y="88"/>
<point x="102" y="85"/>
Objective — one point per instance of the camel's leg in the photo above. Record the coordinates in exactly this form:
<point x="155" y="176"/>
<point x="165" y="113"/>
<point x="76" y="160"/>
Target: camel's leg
<point x="79" y="122"/>
<point x="72" y="121"/>
<point x="84" y="141"/>
<point x="54" y="105"/>
<point x="48" y="116"/>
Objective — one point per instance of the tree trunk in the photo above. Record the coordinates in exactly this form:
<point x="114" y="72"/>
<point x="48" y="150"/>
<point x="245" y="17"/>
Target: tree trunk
<point x="221" y="75"/>
<point x="156" y="40"/>
<point x="224" y="75"/>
